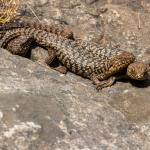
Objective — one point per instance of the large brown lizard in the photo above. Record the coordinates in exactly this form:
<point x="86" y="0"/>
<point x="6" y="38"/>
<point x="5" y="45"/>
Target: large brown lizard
<point x="88" y="60"/>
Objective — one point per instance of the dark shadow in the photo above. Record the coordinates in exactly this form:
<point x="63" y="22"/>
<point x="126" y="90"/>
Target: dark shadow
<point x="141" y="84"/>
<point x="136" y="83"/>
<point x="33" y="45"/>
<point x="55" y="63"/>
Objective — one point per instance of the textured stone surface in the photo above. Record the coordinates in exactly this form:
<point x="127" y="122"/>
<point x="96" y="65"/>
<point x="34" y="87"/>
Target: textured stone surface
<point x="43" y="109"/>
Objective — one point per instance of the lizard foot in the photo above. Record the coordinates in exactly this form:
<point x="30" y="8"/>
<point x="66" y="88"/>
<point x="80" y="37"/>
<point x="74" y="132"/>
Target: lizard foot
<point x="105" y="83"/>
<point x="60" y="69"/>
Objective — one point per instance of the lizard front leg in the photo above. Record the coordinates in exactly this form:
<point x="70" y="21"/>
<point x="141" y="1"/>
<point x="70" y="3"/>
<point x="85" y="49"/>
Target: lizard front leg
<point x="102" y="84"/>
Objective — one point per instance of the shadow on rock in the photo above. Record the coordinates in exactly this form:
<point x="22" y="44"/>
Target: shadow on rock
<point x="141" y="84"/>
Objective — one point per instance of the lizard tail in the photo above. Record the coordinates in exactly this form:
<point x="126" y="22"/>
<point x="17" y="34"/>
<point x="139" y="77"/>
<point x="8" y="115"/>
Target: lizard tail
<point x="7" y="38"/>
<point x="56" y="29"/>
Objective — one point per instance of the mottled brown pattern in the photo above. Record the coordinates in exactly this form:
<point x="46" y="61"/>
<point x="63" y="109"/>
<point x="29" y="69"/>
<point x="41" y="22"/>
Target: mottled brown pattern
<point x="20" y="44"/>
<point x="83" y="58"/>
<point x="56" y="29"/>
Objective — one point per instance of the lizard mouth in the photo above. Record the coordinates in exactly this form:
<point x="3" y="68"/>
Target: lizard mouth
<point x="139" y="77"/>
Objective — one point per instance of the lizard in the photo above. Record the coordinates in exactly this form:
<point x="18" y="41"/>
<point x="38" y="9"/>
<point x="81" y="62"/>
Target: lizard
<point x="88" y="60"/>
<point x="20" y="45"/>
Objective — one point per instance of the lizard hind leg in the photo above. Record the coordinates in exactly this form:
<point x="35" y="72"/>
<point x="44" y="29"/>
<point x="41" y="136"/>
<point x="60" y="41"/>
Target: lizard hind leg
<point x="48" y="61"/>
<point x="61" y="69"/>
<point x="52" y="56"/>
<point x="7" y="38"/>
<point x="16" y="43"/>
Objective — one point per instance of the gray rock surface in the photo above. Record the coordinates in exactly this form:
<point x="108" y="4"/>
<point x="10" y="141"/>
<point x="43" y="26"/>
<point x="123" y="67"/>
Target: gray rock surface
<point x="41" y="109"/>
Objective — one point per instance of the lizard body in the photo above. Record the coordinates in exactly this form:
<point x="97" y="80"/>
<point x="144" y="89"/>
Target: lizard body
<point x="86" y="59"/>
<point x="90" y="61"/>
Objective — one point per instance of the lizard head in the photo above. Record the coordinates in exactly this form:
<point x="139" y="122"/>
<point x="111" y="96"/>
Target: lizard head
<point x="138" y="71"/>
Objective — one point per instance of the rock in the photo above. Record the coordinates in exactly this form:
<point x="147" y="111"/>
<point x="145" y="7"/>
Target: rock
<point x="39" y="54"/>
<point x="43" y="109"/>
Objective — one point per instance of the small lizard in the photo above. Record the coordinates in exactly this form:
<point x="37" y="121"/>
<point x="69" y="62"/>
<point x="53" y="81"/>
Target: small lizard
<point x="87" y="59"/>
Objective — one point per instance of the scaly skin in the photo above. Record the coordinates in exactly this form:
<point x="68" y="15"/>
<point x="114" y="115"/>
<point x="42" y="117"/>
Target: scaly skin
<point x="56" y="29"/>
<point x="19" y="45"/>
<point x="88" y="60"/>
